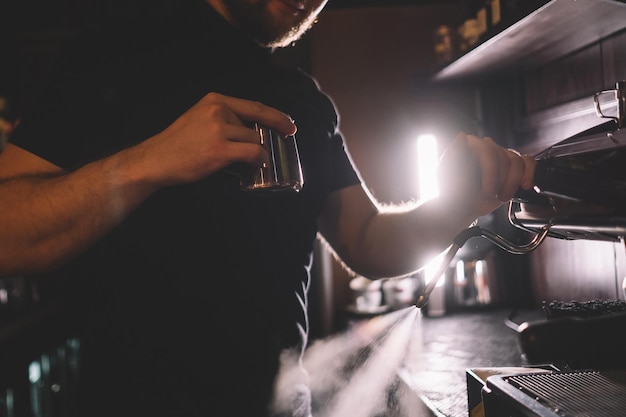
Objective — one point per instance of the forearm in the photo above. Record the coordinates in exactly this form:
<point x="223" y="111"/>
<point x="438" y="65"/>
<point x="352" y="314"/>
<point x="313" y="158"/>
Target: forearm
<point x="478" y="176"/>
<point x="48" y="219"/>
<point x="400" y="241"/>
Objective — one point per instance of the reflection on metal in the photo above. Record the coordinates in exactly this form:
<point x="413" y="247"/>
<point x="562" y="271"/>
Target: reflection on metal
<point x="513" y="248"/>
<point x="476" y="231"/>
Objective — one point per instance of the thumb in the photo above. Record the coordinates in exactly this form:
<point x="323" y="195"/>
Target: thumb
<point x="458" y="170"/>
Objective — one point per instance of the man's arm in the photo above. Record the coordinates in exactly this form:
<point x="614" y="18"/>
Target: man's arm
<point x="48" y="216"/>
<point x="379" y="242"/>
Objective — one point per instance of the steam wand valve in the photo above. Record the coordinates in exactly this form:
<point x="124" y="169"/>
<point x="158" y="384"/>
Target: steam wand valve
<point x="464" y="236"/>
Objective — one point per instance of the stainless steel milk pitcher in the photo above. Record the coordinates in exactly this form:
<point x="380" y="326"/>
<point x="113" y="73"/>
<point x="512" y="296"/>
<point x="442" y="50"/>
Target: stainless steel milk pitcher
<point x="282" y="171"/>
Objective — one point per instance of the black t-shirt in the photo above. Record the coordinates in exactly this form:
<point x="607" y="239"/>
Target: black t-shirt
<point x="189" y="301"/>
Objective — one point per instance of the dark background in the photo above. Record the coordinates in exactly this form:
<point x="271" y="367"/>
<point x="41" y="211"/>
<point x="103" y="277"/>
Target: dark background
<point x="32" y="31"/>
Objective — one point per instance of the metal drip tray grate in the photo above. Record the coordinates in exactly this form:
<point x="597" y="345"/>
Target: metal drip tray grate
<point x="562" y="394"/>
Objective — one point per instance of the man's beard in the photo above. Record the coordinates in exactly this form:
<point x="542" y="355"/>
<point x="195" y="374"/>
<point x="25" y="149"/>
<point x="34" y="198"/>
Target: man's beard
<point x="256" y="21"/>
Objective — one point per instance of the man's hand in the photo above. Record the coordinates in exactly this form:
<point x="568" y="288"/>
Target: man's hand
<point x="481" y="175"/>
<point x="208" y="137"/>
<point x="53" y="215"/>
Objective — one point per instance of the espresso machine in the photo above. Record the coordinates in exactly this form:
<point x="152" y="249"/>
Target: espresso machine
<point x="579" y="193"/>
<point x="580" y="183"/>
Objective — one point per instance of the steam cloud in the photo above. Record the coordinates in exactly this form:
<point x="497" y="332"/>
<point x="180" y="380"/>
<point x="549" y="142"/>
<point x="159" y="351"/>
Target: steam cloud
<point x="349" y="374"/>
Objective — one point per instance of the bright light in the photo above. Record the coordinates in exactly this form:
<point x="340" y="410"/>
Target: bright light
<point x="427" y="160"/>
<point x="432" y="270"/>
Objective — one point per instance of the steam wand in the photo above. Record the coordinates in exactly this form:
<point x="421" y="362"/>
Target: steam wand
<point x="464" y="236"/>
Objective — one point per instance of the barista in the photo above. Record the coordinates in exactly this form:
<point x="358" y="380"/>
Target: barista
<point x="190" y="287"/>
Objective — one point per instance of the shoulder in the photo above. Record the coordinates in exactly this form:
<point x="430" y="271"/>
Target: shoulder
<point x="308" y="90"/>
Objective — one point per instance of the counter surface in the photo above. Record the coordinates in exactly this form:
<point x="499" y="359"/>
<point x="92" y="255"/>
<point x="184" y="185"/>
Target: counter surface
<point x="444" y="347"/>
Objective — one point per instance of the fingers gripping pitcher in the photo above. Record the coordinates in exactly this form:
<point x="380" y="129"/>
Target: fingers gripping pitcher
<point x="282" y="171"/>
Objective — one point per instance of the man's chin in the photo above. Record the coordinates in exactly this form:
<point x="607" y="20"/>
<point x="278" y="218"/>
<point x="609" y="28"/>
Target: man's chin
<point x="281" y="40"/>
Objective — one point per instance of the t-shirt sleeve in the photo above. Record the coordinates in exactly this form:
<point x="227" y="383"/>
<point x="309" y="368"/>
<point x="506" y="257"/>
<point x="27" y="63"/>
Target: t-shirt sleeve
<point x="73" y="117"/>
